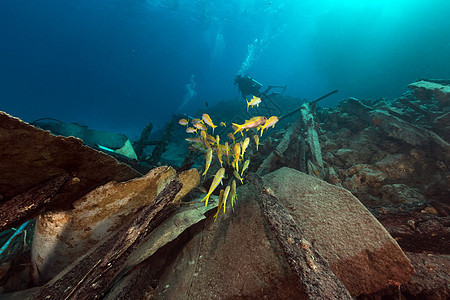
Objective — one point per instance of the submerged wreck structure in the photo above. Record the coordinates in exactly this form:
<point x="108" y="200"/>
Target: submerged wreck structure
<point x="339" y="203"/>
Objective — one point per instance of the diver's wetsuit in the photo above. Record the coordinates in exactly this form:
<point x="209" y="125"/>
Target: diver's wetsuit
<point x="248" y="86"/>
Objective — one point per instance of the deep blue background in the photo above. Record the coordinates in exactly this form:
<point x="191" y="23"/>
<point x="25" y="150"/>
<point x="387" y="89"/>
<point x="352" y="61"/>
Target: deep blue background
<point x="115" y="65"/>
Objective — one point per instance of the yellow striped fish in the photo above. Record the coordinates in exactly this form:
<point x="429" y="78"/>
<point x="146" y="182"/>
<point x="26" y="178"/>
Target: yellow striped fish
<point x="216" y="181"/>
<point x="209" y="155"/>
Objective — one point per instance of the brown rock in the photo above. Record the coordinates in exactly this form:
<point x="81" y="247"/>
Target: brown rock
<point x="396" y="166"/>
<point x="361" y="177"/>
<point x="313" y="272"/>
<point x="429" y="283"/>
<point x="416" y="229"/>
<point x="432" y="276"/>
<point x="30" y="156"/>
<point x="358" y="248"/>
<point x="63" y="236"/>
<point x="190" y="179"/>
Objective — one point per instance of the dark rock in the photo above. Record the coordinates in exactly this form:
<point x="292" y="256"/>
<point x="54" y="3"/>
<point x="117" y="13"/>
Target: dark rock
<point x="417" y="229"/>
<point x="399" y="194"/>
<point x="353" y="106"/>
<point x="426" y="90"/>
<point x="441" y="126"/>
<point x="406" y="132"/>
<point x="431" y="278"/>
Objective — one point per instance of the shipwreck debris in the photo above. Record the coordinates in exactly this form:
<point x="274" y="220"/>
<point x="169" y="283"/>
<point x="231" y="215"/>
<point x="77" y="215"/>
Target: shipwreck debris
<point x="300" y="147"/>
<point x="392" y="154"/>
<point x="108" y="141"/>
<point x="62" y="236"/>
<point x="310" y="127"/>
<point x="291" y="147"/>
<point x="93" y="274"/>
<point x="312" y="105"/>
<point x="37" y="156"/>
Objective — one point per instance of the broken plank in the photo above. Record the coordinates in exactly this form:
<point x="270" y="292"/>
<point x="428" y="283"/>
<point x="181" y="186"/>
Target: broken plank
<point x="30" y="204"/>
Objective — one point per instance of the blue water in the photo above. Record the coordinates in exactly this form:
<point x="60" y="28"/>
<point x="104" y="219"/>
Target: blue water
<point x="115" y="65"/>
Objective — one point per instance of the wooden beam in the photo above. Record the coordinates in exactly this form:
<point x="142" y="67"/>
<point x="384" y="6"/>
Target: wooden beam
<point x="31" y="203"/>
<point x="312" y="271"/>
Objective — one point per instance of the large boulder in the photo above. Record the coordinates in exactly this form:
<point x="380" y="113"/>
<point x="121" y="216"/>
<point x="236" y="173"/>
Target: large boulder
<point x="358" y="248"/>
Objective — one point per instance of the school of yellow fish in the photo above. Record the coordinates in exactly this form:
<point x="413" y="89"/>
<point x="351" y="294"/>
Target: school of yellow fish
<point x="233" y="151"/>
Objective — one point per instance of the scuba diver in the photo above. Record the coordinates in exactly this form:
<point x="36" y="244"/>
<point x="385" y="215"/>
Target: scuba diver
<point x="249" y="86"/>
